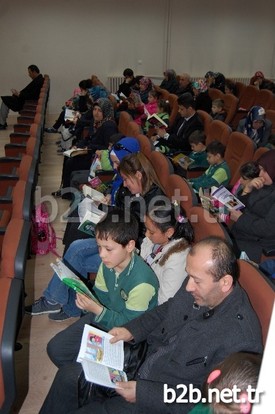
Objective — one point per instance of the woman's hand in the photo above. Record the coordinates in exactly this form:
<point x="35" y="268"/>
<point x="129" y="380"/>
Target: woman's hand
<point x="257" y="183"/>
<point x="120" y="334"/>
<point x="127" y="390"/>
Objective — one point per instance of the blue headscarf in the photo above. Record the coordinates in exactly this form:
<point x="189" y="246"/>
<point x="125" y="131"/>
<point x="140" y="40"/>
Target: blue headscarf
<point x="256" y="113"/>
<point x="120" y="150"/>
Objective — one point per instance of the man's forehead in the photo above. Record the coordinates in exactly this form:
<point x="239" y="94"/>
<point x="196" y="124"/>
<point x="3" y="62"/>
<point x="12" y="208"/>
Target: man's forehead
<point x="201" y="255"/>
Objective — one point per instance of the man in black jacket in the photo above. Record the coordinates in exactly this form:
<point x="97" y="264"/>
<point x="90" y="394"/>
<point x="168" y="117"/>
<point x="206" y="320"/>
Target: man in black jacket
<point x="187" y="121"/>
<point x="209" y="318"/>
<point x="17" y="100"/>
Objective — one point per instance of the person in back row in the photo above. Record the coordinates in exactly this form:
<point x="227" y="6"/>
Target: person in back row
<point x="256" y="126"/>
<point x="176" y="137"/>
<point x="17" y="100"/>
<point x="209" y="318"/>
<point x="218" y="172"/>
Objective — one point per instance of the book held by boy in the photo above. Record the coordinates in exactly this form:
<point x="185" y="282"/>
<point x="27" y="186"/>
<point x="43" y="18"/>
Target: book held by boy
<point x="182" y="160"/>
<point x="102" y="361"/>
<point x="71" y="279"/>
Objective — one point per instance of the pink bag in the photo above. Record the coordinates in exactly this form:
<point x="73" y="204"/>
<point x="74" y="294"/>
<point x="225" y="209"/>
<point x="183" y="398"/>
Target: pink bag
<point x="43" y="237"/>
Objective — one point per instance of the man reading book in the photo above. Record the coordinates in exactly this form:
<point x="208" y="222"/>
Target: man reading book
<point x="125" y="286"/>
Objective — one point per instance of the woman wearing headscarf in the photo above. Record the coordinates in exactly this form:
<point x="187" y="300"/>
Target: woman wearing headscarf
<point x="170" y="82"/>
<point x="256" y="126"/>
<point x="201" y="96"/>
<point x="254" y="227"/>
<point x="145" y="86"/>
<point x="102" y="129"/>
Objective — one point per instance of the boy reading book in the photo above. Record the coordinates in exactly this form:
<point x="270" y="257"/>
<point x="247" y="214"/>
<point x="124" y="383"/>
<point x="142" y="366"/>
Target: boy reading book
<point x="198" y="154"/>
<point x="218" y="172"/>
<point x="125" y="286"/>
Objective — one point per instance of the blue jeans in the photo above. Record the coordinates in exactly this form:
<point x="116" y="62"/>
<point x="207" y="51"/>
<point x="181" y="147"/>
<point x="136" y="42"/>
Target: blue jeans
<point x="83" y="258"/>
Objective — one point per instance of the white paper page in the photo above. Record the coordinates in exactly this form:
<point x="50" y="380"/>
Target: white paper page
<point x="62" y="270"/>
<point x="102" y="375"/>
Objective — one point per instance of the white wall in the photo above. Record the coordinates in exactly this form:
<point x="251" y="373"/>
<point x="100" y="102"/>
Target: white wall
<point x="70" y="40"/>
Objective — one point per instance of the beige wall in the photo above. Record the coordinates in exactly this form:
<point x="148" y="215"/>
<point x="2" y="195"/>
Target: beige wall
<point x="70" y="40"/>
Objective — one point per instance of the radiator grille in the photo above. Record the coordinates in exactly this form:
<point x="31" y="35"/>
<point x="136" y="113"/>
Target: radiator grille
<point x="114" y="82"/>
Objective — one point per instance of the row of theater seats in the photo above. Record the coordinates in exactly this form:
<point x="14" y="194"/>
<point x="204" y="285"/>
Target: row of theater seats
<point x="18" y="179"/>
<point x="239" y="149"/>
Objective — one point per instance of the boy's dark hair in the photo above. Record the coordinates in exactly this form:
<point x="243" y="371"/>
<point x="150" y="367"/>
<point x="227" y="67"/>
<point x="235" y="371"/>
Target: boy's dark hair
<point x="250" y="170"/>
<point x="218" y="102"/>
<point x="85" y="84"/>
<point x="197" y="137"/>
<point x="186" y="100"/>
<point x="119" y="225"/>
<point x="164" y="105"/>
<point x="216" y="147"/>
<point x="34" y="68"/>
<point x="128" y="72"/>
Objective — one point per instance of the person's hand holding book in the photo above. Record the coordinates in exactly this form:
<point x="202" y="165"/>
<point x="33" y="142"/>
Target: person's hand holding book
<point x="85" y="303"/>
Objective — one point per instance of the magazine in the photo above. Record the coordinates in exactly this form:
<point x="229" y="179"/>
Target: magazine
<point x="88" y="191"/>
<point x="91" y="218"/>
<point x="156" y="121"/>
<point x="182" y="160"/>
<point x="70" y="279"/>
<point x="102" y="362"/>
<point x="225" y="197"/>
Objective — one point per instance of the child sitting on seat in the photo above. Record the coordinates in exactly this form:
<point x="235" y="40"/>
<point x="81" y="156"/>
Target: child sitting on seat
<point x="198" y="154"/>
<point x="217" y="111"/>
<point x="218" y="172"/>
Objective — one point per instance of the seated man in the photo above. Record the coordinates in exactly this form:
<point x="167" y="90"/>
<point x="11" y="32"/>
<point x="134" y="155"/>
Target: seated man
<point x="209" y="318"/>
<point x="188" y="121"/>
<point x="17" y="100"/>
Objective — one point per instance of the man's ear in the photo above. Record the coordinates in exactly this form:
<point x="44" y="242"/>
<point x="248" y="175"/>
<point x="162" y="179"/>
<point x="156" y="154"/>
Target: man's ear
<point x="226" y="283"/>
<point x="245" y="405"/>
<point x="131" y="246"/>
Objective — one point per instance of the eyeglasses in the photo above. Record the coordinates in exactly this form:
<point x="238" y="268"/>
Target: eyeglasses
<point x="120" y="147"/>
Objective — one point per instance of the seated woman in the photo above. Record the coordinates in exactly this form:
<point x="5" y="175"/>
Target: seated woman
<point x="82" y="255"/>
<point x="254" y="228"/>
<point x="170" y="82"/>
<point x="202" y="99"/>
<point x="103" y="128"/>
<point x="256" y="126"/>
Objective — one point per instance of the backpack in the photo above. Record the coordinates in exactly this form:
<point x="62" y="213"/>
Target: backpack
<point x="43" y="237"/>
<point x="67" y="137"/>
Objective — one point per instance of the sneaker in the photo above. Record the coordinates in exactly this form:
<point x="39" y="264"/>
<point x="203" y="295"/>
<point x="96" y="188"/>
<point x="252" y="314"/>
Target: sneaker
<point x="60" y="316"/>
<point x="3" y="127"/>
<point x="42" y="306"/>
<point x="51" y="130"/>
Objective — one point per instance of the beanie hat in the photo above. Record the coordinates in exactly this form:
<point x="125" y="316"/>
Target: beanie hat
<point x="267" y="161"/>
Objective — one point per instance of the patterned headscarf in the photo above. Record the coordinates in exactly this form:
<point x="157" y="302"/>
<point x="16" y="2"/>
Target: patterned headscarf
<point x="200" y="85"/>
<point x="146" y="82"/>
<point x="107" y="109"/>
<point x="256" y="113"/>
<point x="267" y="161"/>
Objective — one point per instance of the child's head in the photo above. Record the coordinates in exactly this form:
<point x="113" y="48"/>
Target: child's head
<point x="116" y="235"/>
<point x="152" y="96"/>
<point x="217" y="106"/>
<point x="164" y="106"/>
<point x="169" y="222"/>
<point x="215" y="152"/>
<point x="248" y="171"/>
<point x="241" y="370"/>
<point x="197" y="141"/>
<point x="138" y="173"/>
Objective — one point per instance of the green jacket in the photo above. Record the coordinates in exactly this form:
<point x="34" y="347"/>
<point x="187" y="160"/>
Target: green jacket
<point x="126" y="295"/>
<point x="215" y="175"/>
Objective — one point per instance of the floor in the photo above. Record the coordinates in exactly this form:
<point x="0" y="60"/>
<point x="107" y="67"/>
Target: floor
<point x="35" y="370"/>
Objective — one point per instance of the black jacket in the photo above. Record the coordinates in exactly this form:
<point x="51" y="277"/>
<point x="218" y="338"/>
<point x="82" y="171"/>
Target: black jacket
<point x="29" y="93"/>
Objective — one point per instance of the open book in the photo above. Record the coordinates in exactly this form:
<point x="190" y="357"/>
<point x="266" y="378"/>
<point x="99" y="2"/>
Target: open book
<point x="69" y="114"/>
<point x="70" y="279"/>
<point x="182" y="160"/>
<point x="156" y="121"/>
<point x="74" y="152"/>
<point x="225" y="197"/>
<point x="90" y="219"/>
<point x="92" y="193"/>
<point x="102" y="362"/>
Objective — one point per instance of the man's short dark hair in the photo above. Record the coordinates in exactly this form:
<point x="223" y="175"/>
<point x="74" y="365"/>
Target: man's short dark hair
<point x="197" y="137"/>
<point x="216" y="147"/>
<point x="128" y="72"/>
<point x="223" y="257"/>
<point x="119" y="225"/>
<point x="34" y="68"/>
<point x="186" y="100"/>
